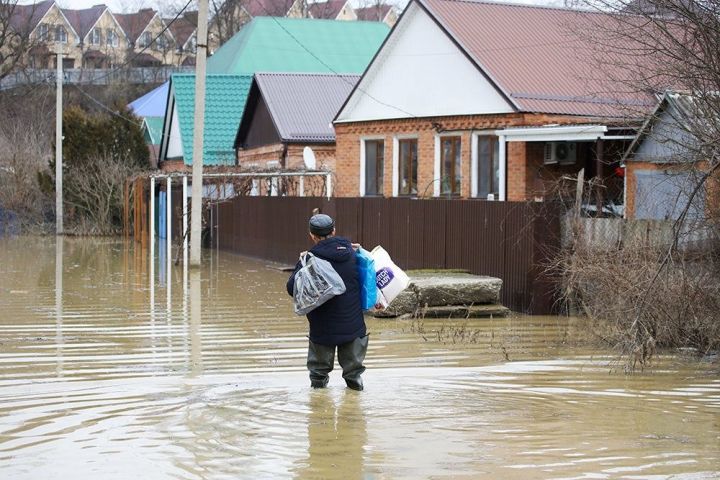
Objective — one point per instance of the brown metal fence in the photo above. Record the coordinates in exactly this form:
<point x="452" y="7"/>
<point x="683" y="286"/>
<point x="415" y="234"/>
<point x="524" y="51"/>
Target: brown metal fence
<point x="508" y="240"/>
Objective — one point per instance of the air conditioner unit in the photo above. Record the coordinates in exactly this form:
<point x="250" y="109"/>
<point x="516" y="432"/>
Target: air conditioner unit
<point x="560" y="153"/>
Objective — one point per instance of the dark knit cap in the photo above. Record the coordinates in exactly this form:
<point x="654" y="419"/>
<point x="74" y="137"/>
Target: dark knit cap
<point x="321" y="225"/>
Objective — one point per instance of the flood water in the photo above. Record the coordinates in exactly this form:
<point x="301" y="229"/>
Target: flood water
<point x="203" y="377"/>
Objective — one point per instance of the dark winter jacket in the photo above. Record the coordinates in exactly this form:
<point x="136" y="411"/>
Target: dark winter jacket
<point x="340" y="319"/>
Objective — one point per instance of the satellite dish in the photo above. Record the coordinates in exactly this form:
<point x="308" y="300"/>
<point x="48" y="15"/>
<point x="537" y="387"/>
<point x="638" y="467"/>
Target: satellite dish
<point x="309" y="158"/>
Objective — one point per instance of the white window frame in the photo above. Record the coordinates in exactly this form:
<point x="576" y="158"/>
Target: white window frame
<point x="437" y="178"/>
<point x="43" y="32"/>
<point x="95" y="36"/>
<point x="396" y="160"/>
<point x="364" y="139"/>
<point x="111" y="37"/>
<point x="502" y="163"/>
<point x="63" y="38"/>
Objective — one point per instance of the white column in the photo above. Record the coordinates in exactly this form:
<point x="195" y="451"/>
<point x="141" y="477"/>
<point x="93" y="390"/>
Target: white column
<point x="328" y="184"/>
<point x="502" y="161"/>
<point x="301" y="191"/>
<point x="474" y="165"/>
<point x="152" y="232"/>
<point x="168" y="216"/>
<point x="362" y="168"/>
<point x="437" y="178"/>
<point x="396" y="167"/>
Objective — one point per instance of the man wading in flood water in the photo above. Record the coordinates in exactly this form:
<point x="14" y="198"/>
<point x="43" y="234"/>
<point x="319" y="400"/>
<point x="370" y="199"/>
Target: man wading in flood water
<point x="339" y="322"/>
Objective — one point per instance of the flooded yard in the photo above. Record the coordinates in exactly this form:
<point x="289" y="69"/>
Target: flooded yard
<point x="203" y="376"/>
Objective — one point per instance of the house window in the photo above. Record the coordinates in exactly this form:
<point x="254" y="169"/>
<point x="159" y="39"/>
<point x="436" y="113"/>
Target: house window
<point x="450" y="165"/>
<point x="43" y="32"/>
<point x="95" y="36"/>
<point x="60" y="34"/>
<point x="111" y="38"/>
<point x="408" y="165"/>
<point x="488" y="167"/>
<point x="161" y="43"/>
<point x="374" y="166"/>
<point x="145" y="39"/>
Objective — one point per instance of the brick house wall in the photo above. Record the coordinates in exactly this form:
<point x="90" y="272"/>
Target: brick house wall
<point x="523" y="159"/>
<point x="271" y="156"/>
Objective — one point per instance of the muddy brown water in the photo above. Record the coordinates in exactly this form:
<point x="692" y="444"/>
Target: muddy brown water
<point x="208" y="381"/>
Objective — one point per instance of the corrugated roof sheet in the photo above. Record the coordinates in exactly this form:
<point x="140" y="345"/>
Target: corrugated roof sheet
<point x="153" y="127"/>
<point x="225" y="97"/>
<point x="152" y="104"/>
<point x="542" y="57"/>
<point x="303" y="105"/>
<point x="299" y="45"/>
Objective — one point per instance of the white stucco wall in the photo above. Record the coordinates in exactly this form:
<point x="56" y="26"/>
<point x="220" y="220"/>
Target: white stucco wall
<point x="420" y="72"/>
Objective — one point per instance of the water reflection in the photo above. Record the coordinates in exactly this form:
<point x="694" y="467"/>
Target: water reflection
<point x="210" y="383"/>
<point x="336" y="436"/>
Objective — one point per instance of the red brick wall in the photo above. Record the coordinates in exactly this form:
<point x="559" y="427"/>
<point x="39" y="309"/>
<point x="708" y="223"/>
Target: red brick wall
<point x="271" y="156"/>
<point x="521" y="159"/>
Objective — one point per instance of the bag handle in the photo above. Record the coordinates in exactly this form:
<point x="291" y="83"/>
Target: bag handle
<point x="304" y="258"/>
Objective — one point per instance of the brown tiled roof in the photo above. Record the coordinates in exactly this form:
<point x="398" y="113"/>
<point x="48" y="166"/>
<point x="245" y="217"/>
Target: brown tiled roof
<point x="375" y="13"/>
<point x="133" y="24"/>
<point x="542" y="58"/>
<point x="24" y="18"/>
<point x="267" y="8"/>
<point x="183" y="27"/>
<point x="83" y="20"/>
<point x="327" y="10"/>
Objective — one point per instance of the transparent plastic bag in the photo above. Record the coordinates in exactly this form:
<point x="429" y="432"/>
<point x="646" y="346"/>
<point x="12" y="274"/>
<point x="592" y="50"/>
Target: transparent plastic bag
<point x="366" y="272"/>
<point x="316" y="282"/>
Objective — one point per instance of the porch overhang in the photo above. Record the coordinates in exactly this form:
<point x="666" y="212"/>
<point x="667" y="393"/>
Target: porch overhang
<point x="554" y="133"/>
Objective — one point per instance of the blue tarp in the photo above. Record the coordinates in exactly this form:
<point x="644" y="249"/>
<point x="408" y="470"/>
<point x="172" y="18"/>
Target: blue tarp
<point x="153" y="103"/>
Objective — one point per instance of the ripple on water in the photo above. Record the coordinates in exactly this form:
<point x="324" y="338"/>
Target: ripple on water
<point x="98" y="382"/>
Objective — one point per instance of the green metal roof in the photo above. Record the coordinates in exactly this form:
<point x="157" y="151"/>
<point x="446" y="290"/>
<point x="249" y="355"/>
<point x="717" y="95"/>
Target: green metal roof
<point x="225" y="97"/>
<point x="270" y="44"/>
<point x="152" y="129"/>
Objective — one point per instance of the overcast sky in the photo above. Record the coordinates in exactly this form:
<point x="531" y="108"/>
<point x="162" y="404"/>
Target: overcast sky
<point x="121" y="6"/>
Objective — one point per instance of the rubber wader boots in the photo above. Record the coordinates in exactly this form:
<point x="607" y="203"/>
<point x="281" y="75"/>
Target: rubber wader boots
<point x="321" y="359"/>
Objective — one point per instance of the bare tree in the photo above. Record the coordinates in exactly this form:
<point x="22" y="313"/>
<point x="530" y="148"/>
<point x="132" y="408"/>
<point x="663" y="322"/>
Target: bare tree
<point x="16" y="26"/>
<point x="662" y="290"/>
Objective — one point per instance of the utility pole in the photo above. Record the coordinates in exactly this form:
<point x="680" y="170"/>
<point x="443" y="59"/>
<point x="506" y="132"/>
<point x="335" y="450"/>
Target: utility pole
<point x="197" y="156"/>
<point x="58" y="145"/>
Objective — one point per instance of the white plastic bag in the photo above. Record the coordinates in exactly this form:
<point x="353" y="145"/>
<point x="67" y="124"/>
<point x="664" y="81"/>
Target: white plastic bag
<point x="316" y="282"/>
<point x="390" y="279"/>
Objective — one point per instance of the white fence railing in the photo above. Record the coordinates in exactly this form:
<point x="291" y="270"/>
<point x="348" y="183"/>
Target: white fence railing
<point x="99" y="76"/>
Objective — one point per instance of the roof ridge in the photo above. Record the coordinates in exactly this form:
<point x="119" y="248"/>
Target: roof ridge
<point x="308" y="74"/>
<point x="524" y="5"/>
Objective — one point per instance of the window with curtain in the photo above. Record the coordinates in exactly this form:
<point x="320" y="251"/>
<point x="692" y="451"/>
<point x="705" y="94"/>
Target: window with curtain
<point x="60" y="34"/>
<point x="96" y="36"/>
<point x="374" y="166"/>
<point x="488" y="166"/>
<point x="408" y="166"/>
<point x="450" y="161"/>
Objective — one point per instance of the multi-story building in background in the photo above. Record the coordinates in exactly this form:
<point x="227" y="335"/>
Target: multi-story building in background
<point x="96" y="38"/>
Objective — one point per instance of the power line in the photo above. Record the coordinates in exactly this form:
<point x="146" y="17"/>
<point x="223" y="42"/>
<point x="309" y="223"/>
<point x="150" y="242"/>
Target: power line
<point x="355" y="86"/>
